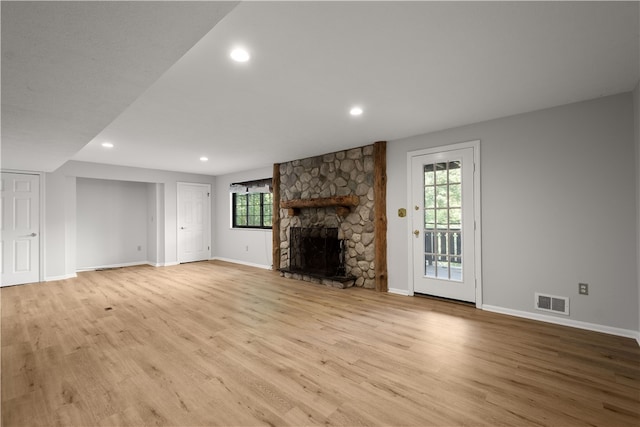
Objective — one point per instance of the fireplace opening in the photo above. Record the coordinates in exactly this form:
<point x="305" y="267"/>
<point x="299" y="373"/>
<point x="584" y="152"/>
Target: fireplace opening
<point x="316" y="251"/>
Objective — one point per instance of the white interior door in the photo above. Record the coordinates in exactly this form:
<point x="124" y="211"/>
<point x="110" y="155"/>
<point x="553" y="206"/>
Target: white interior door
<point x="443" y="224"/>
<point x="194" y="222"/>
<point x="20" y="222"/>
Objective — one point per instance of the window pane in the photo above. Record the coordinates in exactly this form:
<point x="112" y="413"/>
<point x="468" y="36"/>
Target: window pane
<point x="442" y="219"/>
<point x="254" y="199"/>
<point x="267" y="209"/>
<point x="455" y="195"/>
<point x="254" y="210"/>
<point x="442" y="243"/>
<point x="429" y="218"/>
<point x="454" y="172"/>
<point x="456" y="270"/>
<point x="441" y="173"/>
<point x="441" y="196"/>
<point x="428" y="242"/>
<point x="454" y="217"/>
<point x="429" y="197"/>
<point x="429" y="177"/>
<point x="429" y="266"/>
<point x="443" y="269"/>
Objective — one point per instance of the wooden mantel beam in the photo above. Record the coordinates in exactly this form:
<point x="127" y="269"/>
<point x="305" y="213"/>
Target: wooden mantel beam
<point x="343" y="203"/>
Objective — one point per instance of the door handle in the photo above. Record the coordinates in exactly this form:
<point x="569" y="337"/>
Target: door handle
<point x="31" y="235"/>
<point x="183" y="228"/>
<point x="416" y="232"/>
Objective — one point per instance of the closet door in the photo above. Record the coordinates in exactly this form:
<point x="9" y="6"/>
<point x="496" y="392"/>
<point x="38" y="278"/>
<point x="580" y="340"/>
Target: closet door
<point x="20" y="228"/>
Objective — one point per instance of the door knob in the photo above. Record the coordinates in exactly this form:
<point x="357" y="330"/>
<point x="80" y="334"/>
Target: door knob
<point x="33" y="234"/>
<point x="416" y="232"/>
<point x="182" y="228"/>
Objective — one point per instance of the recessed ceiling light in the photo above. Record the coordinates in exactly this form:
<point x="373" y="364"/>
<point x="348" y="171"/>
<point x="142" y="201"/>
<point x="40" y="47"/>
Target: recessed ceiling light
<point x="204" y="159"/>
<point x="240" y="55"/>
<point x="107" y="145"/>
<point x="355" y="111"/>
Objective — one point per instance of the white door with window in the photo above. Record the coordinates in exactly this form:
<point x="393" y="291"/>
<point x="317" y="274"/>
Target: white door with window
<point x="194" y="222"/>
<point x="445" y="240"/>
<point x="20" y="222"/>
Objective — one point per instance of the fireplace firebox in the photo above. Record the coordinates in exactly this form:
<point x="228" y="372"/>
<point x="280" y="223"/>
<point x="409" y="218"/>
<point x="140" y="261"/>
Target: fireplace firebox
<point x="316" y="251"/>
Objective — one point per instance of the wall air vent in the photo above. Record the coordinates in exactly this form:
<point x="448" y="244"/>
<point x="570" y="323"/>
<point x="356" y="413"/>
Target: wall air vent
<point x="552" y="303"/>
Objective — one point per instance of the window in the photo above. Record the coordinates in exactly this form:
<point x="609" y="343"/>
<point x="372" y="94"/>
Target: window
<point x="252" y="204"/>
<point x="443" y="220"/>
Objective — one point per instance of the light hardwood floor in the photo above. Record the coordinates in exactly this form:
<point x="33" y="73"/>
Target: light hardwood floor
<point x="212" y="343"/>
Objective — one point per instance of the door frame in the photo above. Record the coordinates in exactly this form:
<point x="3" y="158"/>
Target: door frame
<point x="41" y="219"/>
<point x="477" y="197"/>
<point x="209" y="215"/>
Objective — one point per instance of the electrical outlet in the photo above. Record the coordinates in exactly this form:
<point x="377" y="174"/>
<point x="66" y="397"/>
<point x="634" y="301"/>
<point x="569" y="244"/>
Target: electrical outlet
<point x="246" y="248"/>
<point x="583" y="288"/>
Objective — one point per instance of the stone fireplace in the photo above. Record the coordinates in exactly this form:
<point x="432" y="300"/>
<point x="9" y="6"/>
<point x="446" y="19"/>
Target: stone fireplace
<point x="327" y="204"/>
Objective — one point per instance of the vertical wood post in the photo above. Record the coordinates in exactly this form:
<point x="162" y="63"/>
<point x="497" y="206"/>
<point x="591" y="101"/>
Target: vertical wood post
<point x="275" y="230"/>
<point x="380" y="210"/>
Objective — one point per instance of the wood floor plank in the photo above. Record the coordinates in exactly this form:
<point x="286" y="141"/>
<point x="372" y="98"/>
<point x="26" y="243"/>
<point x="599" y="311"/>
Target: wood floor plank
<point x="218" y="344"/>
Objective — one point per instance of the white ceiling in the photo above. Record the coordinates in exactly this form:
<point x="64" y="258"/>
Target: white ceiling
<point x="414" y="67"/>
<point x="70" y="68"/>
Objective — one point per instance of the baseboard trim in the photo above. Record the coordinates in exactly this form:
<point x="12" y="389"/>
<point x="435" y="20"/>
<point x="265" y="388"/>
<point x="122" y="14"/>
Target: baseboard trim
<point x="63" y="277"/>
<point x="168" y="264"/>
<point x="236" y="261"/>
<point x="627" y="333"/>
<point x="397" y="291"/>
<point x="124" y="264"/>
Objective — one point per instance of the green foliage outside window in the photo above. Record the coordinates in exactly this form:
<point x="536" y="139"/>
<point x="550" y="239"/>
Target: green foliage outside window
<point x="252" y="210"/>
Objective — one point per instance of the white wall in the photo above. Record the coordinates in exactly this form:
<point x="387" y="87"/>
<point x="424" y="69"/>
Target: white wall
<point x="60" y="222"/>
<point x="558" y="208"/>
<point x="111" y="223"/>
<point x="153" y="209"/>
<point x="246" y="246"/>
<point x="59" y="226"/>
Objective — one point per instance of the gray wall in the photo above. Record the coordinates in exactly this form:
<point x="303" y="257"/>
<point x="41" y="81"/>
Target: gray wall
<point x="153" y="222"/>
<point x="246" y="246"/>
<point x="558" y="207"/>
<point x="111" y="223"/>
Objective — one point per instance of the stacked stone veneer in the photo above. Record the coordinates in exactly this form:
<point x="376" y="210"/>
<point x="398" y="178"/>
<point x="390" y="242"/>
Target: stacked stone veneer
<point x="336" y="174"/>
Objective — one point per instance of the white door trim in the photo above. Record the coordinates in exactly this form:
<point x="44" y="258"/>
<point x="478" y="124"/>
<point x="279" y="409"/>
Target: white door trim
<point x="475" y="145"/>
